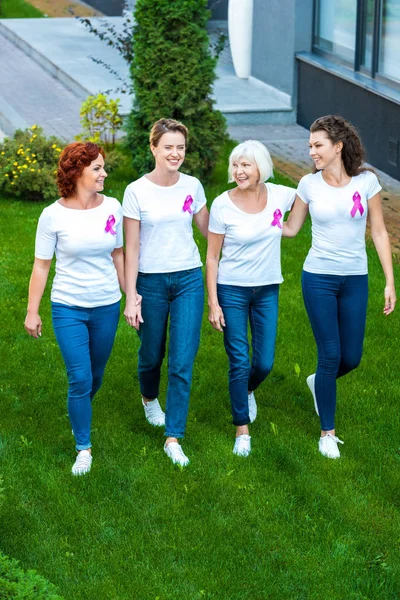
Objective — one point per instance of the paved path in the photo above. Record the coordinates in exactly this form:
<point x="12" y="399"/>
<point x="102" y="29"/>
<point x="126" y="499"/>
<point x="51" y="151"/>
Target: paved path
<point x="29" y="95"/>
<point x="64" y="47"/>
<point x="289" y="148"/>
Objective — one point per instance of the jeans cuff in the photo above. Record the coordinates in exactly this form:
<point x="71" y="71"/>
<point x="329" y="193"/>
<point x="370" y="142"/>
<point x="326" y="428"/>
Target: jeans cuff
<point x="80" y="447"/>
<point x="241" y="423"/>
<point x="175" y="435"/>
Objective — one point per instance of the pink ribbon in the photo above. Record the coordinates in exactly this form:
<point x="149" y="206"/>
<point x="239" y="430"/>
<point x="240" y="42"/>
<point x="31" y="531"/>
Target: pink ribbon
<point x="357" y="205"/>
<point x="109" y="225"/>
<point x="187" y="205"/>
<point x="277" y="217"/>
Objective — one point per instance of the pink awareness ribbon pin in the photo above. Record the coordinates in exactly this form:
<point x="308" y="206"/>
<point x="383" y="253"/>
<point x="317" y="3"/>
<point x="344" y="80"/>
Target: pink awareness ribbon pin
<point x="277" y="217"/>
<point x="187" y="205"/>
<point x="109" y="225"/>
<point x="357" y="205"/>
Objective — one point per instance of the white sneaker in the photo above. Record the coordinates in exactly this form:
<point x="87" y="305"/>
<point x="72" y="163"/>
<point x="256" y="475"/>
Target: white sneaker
<point x="311" y="384"/>
<point x="154" y="413"/>
<point x="252" y="407"/>
<point x="83" y="463"/>
<point x="242" y="445"/>
<point x="328" y="445"/>
<point x="176" y="454"/>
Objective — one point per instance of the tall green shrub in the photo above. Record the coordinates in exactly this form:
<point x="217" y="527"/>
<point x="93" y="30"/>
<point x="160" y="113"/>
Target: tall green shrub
<point x="173" y="72"/>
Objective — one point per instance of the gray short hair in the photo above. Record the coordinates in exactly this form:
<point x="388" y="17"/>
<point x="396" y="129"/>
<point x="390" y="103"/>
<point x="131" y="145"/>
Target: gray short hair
<point x="256" y="153"/>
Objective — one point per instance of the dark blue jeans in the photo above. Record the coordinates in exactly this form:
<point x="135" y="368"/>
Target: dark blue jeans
<point x="179" y="295"/>
<point x="337" y="309"/>
<point x="85" y="337"/>
<point x="259" y="305"/>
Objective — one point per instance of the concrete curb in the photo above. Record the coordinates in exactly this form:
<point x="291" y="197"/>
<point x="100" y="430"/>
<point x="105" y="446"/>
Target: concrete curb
<point x="10" y="120"/>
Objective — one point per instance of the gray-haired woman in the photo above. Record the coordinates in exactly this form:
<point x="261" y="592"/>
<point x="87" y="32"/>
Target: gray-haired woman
<point x="246" y="224"/>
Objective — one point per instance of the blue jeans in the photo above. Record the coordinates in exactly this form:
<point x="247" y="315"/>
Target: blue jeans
<point x="259" y="305"/>
<point x="85" y="337"/>
<point x="337" y="309"/>
<point x="179" y="295"/>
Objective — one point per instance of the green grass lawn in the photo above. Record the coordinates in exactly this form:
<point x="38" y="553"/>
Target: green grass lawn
<point x="18" y="9"/>
<point x="284" y="524"/>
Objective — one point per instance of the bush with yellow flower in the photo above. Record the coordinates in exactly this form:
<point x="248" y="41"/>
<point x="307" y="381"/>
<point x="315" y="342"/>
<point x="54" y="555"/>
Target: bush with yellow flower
<point x="28" y="164"/>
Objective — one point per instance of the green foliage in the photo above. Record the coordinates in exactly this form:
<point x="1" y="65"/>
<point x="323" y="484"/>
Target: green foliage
<point x="99" y="119"/>
<point x="173" y="71"/>
<point x="28" y="164"/>
<point x="1" y="491"/>
<point x="18" y="9"/>
<point x="19" y="584"/>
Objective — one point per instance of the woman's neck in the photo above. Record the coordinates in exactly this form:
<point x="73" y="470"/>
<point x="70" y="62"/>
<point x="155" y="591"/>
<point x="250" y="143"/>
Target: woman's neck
<point x="163" y="177"/>
<point x="84" y="199"/>
<point x="336" y="175"/>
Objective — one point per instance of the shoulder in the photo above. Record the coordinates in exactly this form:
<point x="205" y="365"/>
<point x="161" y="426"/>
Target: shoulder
<point x="189" y="182"/>
<point x="112" y="203"/>
<point x="220" y="201"/>
<point x="50" y="211"/>
<point x="367" y="177"/>
<point x="311" y="179"/>
<point x="278" y="189"/>
<point x="137" y="185"/>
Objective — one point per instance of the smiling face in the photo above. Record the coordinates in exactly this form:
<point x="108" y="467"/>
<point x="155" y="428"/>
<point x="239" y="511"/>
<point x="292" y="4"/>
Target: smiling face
<point x="245" y="173"/>
<point x="170" y="151"/>
<point x="324" y="152"/>
<point x="93" y="176"/>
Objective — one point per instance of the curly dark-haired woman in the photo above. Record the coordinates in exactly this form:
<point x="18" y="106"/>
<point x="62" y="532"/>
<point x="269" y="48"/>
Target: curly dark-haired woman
<point x="339" y="195"/>
<point x="84" y="230"/>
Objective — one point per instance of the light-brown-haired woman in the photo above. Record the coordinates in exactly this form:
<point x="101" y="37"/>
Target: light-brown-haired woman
<point x="163" y="265"/>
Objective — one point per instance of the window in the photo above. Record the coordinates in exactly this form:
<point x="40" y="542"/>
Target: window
<point x="389" y="61"/>
<point x="336" y="27"/>
<point x="363" y="33"/>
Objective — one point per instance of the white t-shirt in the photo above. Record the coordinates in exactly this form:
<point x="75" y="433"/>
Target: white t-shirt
<point x="85" y="272"/>
<point x="251" y="251"/>
<point x="165" y="214"/>
<point x="339" y="217"/>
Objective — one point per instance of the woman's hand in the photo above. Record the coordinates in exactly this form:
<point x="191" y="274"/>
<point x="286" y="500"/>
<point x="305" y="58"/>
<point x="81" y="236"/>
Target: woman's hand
<point x="390" y="299"/>
<point x="133" y="312"/>
<point x="216" y="317"/>
<point x="33" y="325"/>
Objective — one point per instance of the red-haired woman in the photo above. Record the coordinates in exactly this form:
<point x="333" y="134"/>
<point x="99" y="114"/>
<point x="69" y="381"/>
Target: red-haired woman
<point x="83" y="229"/>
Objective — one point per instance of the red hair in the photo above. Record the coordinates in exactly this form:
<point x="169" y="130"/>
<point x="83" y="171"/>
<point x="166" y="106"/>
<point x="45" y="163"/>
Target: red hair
<point x="73" y="159"/>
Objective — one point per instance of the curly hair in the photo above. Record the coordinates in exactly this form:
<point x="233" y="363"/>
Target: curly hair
<point x="73" y="159"/>
<point x="165" y="126"/>
<point x="340" y="130"/>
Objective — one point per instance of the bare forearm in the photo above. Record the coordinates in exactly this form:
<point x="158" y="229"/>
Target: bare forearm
<point x="119" y="263"/>
<point x="211" y="277"/>
<point x="37" y="286"/>
<point x="382" y="245"/>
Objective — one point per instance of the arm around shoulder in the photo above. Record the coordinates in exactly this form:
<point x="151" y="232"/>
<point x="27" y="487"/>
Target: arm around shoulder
<point x="296" y="219"/>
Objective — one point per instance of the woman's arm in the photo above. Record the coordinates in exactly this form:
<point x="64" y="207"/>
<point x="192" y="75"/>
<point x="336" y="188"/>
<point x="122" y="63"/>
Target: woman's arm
<point x="37" y="284"/>
<point x="133" y="309"/>
<point x="296" y="218"/>
<point x="201" y="219"/>
<point x="119" y="264"/>
<point x="215" y="314"/>
<point x="381" y="241"/>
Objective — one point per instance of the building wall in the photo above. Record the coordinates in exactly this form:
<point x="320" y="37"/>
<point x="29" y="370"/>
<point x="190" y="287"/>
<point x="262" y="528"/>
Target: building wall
<point x="219" y="9"/>
<point x="114" y="8"/>
<point x="376" y="118"/>
<point x="280" y="28"/>
<point x="111" y="8"/>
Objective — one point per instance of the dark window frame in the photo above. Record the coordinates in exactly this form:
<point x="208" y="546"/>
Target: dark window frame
<point x="360" y="41"/>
